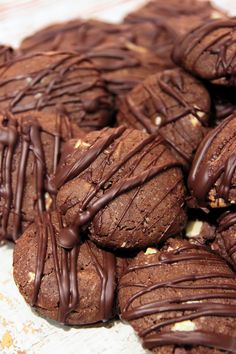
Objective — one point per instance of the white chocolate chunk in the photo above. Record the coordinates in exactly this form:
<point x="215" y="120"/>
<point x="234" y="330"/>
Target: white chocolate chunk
<point x="193" y="228"/>
<point x="150" y="250"/>
<point x="38" y="96"/>
<point x="48" y="201"/>
<point x="31" y="276"/>
<point x="80" y="142"/>
<point x="215" y="15"/>
<point x="184" y="326"/>
<point x="158" y="121"/>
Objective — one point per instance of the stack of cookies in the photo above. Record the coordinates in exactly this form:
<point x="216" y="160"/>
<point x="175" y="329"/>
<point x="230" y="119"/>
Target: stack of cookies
<point x="118" y="173"/>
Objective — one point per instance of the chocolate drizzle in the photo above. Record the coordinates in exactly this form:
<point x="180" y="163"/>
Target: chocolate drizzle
<point x="201" y="177"/>
<point x="66" y="271"/>
<point x="194" y="305"/>
<point x="24" y="135"/>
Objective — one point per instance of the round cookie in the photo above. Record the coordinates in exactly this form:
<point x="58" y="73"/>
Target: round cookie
<point x="208" y="51"/>
<point x="172" y="103"/>
<point x="80" y="35"/>
<point x="85" y="35"/>
<point x="30" y="146"/>
<point x="225" y="242"/>
<point x="180" y="299"/>
<point x="75" y="287"/>
<point x="53" y="80"/>
<point x="169" y="21"/>
<point x="212" y="177"/>
<point x="124" y="185"/>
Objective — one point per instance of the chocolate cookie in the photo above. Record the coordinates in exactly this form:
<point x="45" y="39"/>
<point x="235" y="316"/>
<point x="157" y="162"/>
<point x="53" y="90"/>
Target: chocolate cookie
<point x="53" y="80"/>
<point x="30" y="146"/>
<point x="225" y="242"/>
<point x="170" y="20"/>
<point x="212" y="177"/>
<point x="172" y="9"/>
<point x="125" y="185"/>
<point x="85" y="35"/>
<point x="180" y="300"/>
<point x="172" y="103"/>
<point x="73" y="287"/>
<point x="80" y="35"/>
<point x="209" y="51"/>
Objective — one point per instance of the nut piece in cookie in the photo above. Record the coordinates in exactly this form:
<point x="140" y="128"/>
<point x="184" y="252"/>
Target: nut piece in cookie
<point x="180" y="299"/>
<point x="172" y="103"/>
<point x="212" y="177"/>
<point x="74" y="287"/>
<point x="125" y="185"/>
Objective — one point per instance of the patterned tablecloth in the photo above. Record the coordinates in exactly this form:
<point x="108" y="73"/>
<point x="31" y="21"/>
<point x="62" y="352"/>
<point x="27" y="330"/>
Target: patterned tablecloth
<point x="21" y="330"/>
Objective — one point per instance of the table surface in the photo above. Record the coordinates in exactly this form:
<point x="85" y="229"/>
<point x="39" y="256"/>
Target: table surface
<point x="21" y="329"/>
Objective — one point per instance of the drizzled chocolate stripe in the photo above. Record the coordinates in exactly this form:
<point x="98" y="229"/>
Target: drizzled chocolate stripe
<point x="193" y="306"/>
<point x="65" y="267"/>
<point x="25" y="133"/>
<point x="220" y="341"/>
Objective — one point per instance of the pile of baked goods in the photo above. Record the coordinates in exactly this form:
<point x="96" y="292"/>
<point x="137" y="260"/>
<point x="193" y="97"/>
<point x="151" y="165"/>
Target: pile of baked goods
<point x="118" y="173"/>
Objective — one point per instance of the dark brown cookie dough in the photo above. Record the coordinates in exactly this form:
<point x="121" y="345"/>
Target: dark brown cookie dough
<point x="125" y="185"/>
<point x="73" y="287"/>
<point x="172" y="103"/>
<point x="212" y="178"/>
<point x="53" y="80"/>
<point x="30" y="146"/>
<point x="209" y="51"/>
<point x="180" y="300"/>
<point x="225" y="242"/>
